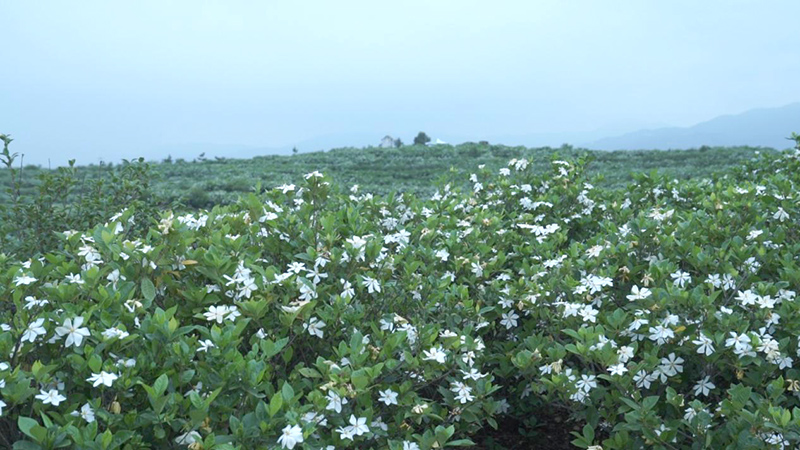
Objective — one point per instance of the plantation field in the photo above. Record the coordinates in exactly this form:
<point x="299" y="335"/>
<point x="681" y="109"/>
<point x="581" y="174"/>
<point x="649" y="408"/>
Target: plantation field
<point x="414" y="169"/>
<point x="311" y="316"/>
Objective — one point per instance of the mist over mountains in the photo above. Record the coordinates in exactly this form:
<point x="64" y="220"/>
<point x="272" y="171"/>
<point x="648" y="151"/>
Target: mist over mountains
<point x="763" y="127"/>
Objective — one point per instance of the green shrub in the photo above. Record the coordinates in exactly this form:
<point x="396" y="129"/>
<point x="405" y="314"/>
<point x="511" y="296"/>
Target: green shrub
<point x="31" y="220"/>
<point x="661" y="317"/>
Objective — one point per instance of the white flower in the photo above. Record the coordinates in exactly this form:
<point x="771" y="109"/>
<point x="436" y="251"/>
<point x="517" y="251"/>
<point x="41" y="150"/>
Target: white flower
<point x="670" y="366"/>
<point x="639" y="294"/>
<point x="618" y="369"/>
<point x="205" y="344"/>
<point x="346" y="433"/>
<point x="52" y="397"/>
<point x="371" y="284"/>
<point x="586" y="383"/>
<point x="462" y="391"/>
<point x="115" y="332"/>
<point x="435" y="354"/>
<point x="335" y="402"/>
<point x="188" y="438"/>
<point x="75" y="278"/>
<point x="34" y="330"/>
<point x="86" y="413"/>
<point x="780" y="215"/>
<point x="407" y="445"/>
<point x="389" y="397"/>
<point x="661" y="334"/>
<point x="625" y="353"/>
<point x="705" y="346"/>
<point x="359" y="425"/>
<point x="2" y="405"/>
<point x="24" y="280"/>
<point x="292" y="435"/>
<point x="72" y="330"/>
<point x="509" y="319"/>
<point x="32" y="302"/>
<point x="220" y="313"/>
<point x="643" y="380"/>
<point x="681" y="278"/>
<point x="103" y="377"/>
<point x="314" y="327"/>
<point x="473" y="374"/>
<point x="704" y="386"/>
<point x="216" y="313"/>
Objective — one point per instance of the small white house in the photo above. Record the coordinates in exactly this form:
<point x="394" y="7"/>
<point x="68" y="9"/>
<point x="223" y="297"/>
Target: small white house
<point x="387" y="142"/>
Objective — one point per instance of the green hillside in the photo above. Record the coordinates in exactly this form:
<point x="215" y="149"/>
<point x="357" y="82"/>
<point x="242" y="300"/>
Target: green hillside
<point x="413" y="169"/>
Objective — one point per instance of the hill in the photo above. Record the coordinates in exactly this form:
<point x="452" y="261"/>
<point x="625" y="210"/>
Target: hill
<point x="764" y="127"/>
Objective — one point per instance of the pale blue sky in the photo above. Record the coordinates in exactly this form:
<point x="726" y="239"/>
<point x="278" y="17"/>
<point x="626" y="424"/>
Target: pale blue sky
<point x="101" y="79"/>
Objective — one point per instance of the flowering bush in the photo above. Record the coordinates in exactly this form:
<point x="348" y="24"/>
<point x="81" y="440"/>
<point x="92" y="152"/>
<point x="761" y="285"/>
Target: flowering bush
<point x="664" y="316"/>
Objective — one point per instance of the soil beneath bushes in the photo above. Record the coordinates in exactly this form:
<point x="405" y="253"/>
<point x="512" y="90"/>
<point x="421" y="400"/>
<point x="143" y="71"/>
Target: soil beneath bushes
<point x="553" y="433"/>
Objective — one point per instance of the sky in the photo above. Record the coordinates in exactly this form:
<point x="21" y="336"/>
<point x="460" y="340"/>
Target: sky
<point x="100" y="80"/>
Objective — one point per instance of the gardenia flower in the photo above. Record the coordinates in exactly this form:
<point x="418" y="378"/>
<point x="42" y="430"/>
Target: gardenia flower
<point x="188" y="438"/>
<point x="220" y="313"/>
<point x="24" y="280"/>
<point x="115" y="332"/>
<point x="72" y="330"/>
<point x="407" y="445"/>
<point x="75" y="278"/>
<point x="639" y="294"/>
<point x="86" y="413"/>
<point x="740" y="343"/>
<point x="205" y="344"/>
<point x="473" y="374"/>
<point x="435" y="354"/>
<point x="314" y="327"/>
<point x="34" y="330"/>
<point x="389" y="397"/>
<point x="586" y="383"/>
<point x="462" y="391"/>
<point x="292" y="435"/>
<point x="705" y="346"/>
<point x="102" y="378"/>
<point x="52" y="397"/>
<point x="32" y="302"/>
<point x="681" y="278"/>
<point x="371" y="284"/>
<point x="359" y="425"/>
<point x="670" y="366"/>
<point x="704" y="386"/>
<point x="661" y="334"/>
<point x="618" y="369"/>
<point x="509" y="320"/>
<point x="335" y="402"/>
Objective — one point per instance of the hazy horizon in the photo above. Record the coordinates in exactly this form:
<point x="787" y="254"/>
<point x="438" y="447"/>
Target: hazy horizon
<point x="96" y="79"/>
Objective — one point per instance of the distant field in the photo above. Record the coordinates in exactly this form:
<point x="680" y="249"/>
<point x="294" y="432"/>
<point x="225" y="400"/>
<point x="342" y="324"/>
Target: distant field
<point x="409" y="169"/>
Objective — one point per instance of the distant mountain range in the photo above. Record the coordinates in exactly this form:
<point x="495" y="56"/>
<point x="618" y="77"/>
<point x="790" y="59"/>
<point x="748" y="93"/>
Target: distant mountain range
<point x="765" y="127"/>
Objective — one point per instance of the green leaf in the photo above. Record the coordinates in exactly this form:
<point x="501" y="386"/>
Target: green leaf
<point x="275" y="405"/>
<point x="161" y="385"/>
<point x="148" y="289"/>
<point x="460" y="443"/>
<point x="360" y="379"/>
<point x="25" y="425"/>
<point x="287" y="392"/>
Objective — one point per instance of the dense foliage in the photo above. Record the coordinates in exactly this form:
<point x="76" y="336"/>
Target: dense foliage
<point x="664" y="316"/>
<point x="414" y="169"/>
<point x="31" y="216"/>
